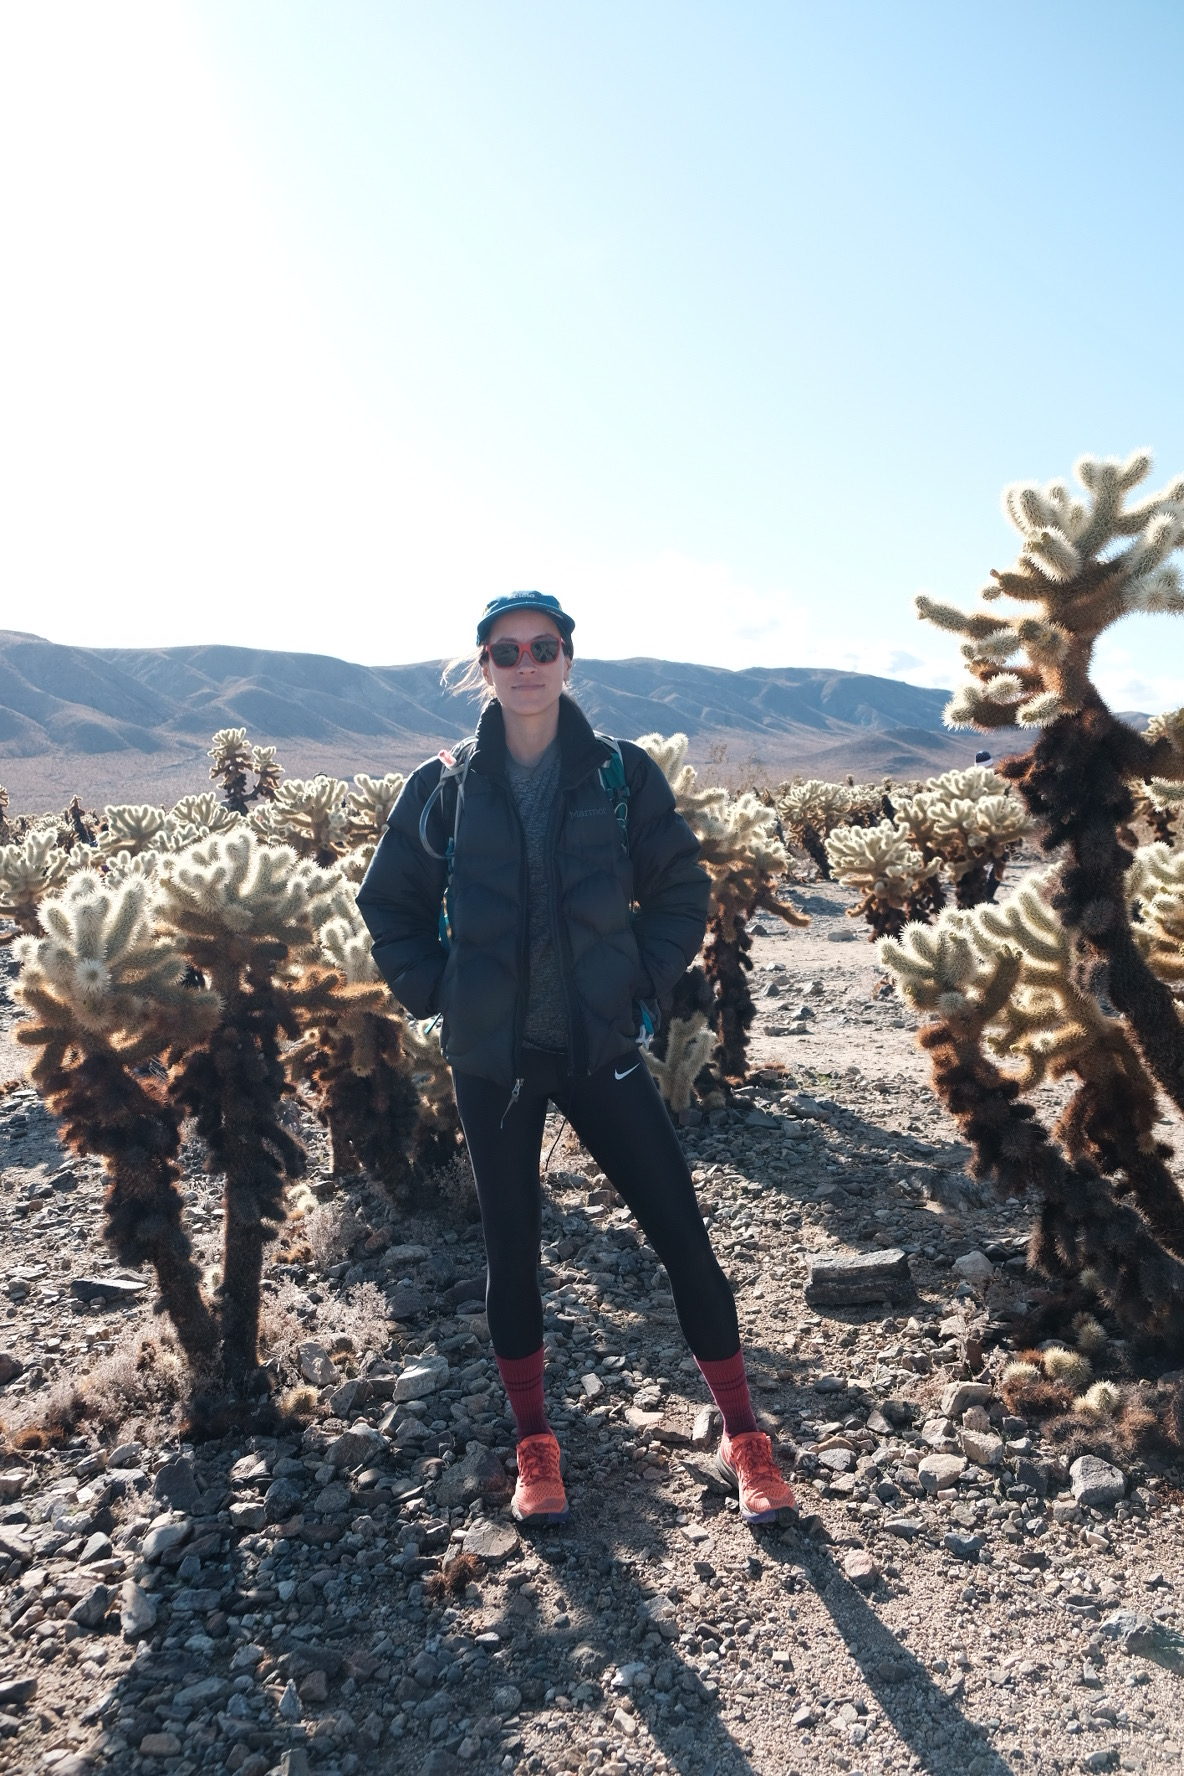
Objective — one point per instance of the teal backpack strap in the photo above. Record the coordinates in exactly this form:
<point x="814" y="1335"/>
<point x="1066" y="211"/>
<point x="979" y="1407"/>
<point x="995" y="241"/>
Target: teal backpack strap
<point x="455" y="770"/>
<point x="616" y="786"/>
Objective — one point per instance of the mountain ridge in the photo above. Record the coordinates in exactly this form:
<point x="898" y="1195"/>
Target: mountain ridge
<point x="118" y="710"/>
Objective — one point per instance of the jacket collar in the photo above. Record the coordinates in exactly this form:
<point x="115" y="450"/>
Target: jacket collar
<point x="580" y="750"/>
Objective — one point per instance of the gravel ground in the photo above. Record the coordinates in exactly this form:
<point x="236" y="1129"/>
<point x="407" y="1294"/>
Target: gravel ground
<point x="944" y="1602"/>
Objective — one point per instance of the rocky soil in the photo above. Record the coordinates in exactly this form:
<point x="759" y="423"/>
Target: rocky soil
<point x="949" y="1599"/>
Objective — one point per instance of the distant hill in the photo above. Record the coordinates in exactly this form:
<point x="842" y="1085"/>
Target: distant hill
<point x="107" y="719"/>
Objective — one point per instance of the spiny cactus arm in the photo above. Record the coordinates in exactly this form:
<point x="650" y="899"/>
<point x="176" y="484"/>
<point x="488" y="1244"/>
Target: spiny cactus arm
<point x="689" y="1048"/>
<point x="130" y="828"/>
<point x="1068" y="566"/>
<point x="205" y="813"/>
<point x="1081" y="1224"/>
<point x="1075" y="783"/>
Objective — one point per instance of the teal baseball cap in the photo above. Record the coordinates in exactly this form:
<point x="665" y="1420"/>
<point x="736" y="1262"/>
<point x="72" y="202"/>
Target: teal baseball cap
<point x="520" y="601"/>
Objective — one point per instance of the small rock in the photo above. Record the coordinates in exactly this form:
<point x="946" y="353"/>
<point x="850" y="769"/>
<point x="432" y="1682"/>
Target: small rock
<point x="1106" y="1759"/>
<point x="10" y="1367"/>
<point x="355" y="1448"/>
<point x="332" y="1500"/>
<point x="491" y="1541"/>
<point x="90" y="1610"/>
<point x="280" y="1500"/>
<point x="16" y="1691"/>
<point x="313" y="1688"/>
<point x="106" y="1289"/>
<point x="507" y="1699"/>
<point x="908" y="1527"/>
<point x="406" y="1301"/>
<point x="12" y="1483"/>
<point x="421" y="1378"/>
<point x="248" y="1515"/>
<point x="861" y="1569"/>
<point x="479" y="1474"/>
<point x="974" y="1267"/>
<point x="1095" y="1482"/>
<point x="963" y="1547"/>
<point x="176" y="1485"/>
<point x="982" y="1447"/>
<point x="137" y="1610"/>
<point x="803" y="1717"/>
<point x="843" y="1279"/>
<point x="290" y="1706"/>
<point x="705" y="1431"/>
<point x="162" y="1537"/>
<point x="160" y="1745"/>
<point x="937" y="1472"/>
<point x="961" y="1395"/>
<point x="315" y="1364"/>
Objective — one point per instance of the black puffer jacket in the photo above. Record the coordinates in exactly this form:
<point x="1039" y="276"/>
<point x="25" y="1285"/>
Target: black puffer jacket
<point x="628" y="925"/>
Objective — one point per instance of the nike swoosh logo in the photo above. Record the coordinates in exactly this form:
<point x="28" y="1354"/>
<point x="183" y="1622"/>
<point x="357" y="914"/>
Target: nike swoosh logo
<point x="628" y="1070"/>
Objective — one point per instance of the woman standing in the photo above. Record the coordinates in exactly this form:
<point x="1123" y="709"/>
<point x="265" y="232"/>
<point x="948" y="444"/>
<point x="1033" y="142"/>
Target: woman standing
<point x="574" y="899"/>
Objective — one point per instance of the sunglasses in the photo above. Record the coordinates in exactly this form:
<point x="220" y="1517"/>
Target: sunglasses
<point x="544" y="650"/>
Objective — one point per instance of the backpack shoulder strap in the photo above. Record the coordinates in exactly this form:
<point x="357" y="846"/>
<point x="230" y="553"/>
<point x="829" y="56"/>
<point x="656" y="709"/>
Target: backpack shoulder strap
<point x="454" y="769"/>
<point x="616" y="786"/>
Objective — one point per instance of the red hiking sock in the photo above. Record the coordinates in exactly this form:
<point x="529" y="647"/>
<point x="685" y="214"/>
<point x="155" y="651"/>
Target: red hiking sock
<point x="729" y="1389"/>
<point x="523" y="1379"/>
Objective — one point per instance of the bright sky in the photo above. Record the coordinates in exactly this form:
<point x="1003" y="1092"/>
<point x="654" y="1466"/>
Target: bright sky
<point x="323" y="321"/>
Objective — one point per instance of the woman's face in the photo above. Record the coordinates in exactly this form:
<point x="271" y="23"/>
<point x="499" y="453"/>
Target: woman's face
<point x="530" y="687"/>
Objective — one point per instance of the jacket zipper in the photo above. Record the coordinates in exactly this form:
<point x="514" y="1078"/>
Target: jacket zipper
<point x="523" y="955"/>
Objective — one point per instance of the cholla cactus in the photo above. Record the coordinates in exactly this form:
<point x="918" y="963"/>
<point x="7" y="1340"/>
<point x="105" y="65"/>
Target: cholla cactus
<point x="810" y="811"/>
<point x="689" y="1047"/>
<point x="28" y="873"/>
<point x="104" y="991"/>
<point x="132" y="829"/>
<point x="970" y="821"/>
<point x="245" y="917"/>
<point x="268" y="772"/>
<point x="1073" y="937"/>
<point x="369" y="804"/>
<point x="5" y="830"/>
<point x="358" y="1061"/>
<point x="310" y="816"/>
<point x="887" y="869"/>
<point x="233" y="759"/>
<point x="204" y="813"/>
<point x="1156" y="887"/>
<point x="744" y="857"/>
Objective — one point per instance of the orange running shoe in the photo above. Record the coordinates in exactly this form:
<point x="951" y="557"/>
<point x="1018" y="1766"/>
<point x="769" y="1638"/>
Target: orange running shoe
<point x="746" y="1464"/>
<point x="539" y="1496"/>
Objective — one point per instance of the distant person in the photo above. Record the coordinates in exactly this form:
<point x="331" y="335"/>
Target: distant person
<point x="982" y="758"/>
<point x="574" y="903"/>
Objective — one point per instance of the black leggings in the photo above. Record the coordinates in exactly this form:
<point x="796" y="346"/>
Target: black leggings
<point x="619" y="1116"/>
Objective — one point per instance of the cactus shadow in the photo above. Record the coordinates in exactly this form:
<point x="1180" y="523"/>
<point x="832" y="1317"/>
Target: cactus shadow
<point x="928" y="1721"/>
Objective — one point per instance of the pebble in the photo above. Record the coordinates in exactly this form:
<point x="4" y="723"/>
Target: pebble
<point x="861" y="1569"/>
